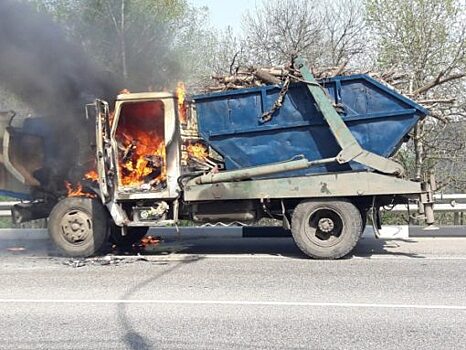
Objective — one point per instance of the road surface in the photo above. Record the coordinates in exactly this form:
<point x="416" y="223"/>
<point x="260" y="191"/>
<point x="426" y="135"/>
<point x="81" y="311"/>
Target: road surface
<point x="236" y="293"/>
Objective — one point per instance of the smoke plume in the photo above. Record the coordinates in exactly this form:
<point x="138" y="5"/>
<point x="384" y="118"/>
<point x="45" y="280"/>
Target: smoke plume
<point x="38" y="63"/>
<point x="54" y="77"/>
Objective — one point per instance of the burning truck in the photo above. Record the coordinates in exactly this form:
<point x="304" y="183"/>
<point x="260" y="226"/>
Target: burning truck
<point x="315" y="155"/>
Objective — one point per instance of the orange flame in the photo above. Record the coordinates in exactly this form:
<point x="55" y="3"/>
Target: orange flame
<point x="149" y="240"/>
<point x="78" y="191"/>
<point x="139" y="168"/>
<point x="181" y="94"/>
<point x="148" y="155"/>
<point x="141" y="147"/>
<point x="91" y="175"/>
<point x="197" y="151"/>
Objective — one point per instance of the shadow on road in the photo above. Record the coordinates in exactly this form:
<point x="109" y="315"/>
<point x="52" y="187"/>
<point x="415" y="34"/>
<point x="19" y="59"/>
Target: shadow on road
<point x="284" y="247"/>
<point x="131" y="337"/>
<point x="368" y="247"/>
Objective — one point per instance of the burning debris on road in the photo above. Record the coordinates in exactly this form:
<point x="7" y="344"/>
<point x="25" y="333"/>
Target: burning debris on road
<point x="106" y="260"/>
<point x="146" y="243"/>
<point x="134" y="254"/>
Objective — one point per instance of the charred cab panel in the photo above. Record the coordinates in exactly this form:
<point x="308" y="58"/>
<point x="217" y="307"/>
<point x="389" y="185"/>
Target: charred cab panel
<point x="22" y="154"/>
<point x="145" y="141"/>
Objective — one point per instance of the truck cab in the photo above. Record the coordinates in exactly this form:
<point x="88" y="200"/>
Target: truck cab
<point x="141" y="143"/>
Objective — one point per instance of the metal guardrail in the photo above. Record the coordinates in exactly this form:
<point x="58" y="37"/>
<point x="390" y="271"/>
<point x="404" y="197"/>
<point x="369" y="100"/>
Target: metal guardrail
<point x="444" y="207"/>
<point x="454" y="203"/>
<point x="443" y="202"/>
<point x="5" y="209"/>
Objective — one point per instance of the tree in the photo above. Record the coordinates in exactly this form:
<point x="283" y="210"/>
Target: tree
<point x="196" y="46"/>
<point x="326" y="36"/>
<point x="344" y="31"/>
<point x="279" y="28"/>
<point x="425" y="39"/>
<point x="146" y="42"/>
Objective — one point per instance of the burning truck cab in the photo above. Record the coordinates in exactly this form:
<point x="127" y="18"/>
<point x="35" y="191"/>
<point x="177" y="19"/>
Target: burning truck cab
<point x="143" y="137"/>
<point x="233" y="157"/>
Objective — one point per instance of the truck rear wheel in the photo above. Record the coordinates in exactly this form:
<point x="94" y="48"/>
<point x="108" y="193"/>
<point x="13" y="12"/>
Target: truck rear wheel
<point x="326" y="229"/>
<point x="78" y="226"/>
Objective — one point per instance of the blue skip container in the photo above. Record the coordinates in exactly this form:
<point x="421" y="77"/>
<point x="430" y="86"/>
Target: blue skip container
<point x="378" y="117"/>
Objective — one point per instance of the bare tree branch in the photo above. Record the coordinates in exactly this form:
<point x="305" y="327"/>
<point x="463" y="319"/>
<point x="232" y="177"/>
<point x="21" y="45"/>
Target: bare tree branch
<point x="438" y="81"/>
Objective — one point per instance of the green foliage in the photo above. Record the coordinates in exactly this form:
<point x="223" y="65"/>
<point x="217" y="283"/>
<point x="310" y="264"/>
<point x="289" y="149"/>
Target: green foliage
<point x="405" y="156"/>
<point x="419" y="36"/>
<point x="425" y="41"/>
<point x="194" y="46"/>
<point x="149" y="44"/>
<point x="5" y="223"/>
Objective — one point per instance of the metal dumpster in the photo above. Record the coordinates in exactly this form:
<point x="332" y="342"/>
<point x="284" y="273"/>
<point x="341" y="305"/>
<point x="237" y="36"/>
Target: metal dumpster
<point x="377" y="116"/>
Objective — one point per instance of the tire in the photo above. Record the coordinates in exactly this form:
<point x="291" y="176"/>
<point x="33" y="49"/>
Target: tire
<point x="326" y="229"/>
<point x="134" y="235"/>
<point x="78" y="226"/>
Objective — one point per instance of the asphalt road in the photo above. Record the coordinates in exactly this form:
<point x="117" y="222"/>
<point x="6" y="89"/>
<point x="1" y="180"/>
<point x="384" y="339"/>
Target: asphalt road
<point x="236" y="294"/>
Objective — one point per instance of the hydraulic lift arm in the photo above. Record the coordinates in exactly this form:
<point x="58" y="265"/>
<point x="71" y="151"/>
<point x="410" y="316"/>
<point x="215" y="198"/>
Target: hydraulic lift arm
<point x="351" y="150"/>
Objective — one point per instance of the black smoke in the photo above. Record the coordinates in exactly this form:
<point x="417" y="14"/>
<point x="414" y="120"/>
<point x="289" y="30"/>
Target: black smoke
<point x="52" y="75"/>
<point x="41" y="66"/>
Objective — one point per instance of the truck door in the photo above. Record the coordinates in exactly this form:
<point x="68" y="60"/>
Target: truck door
<point x="104" y="151"/>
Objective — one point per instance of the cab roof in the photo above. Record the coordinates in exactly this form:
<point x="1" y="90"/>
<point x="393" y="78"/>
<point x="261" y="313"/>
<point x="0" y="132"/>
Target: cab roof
<point x="145" y="96"/>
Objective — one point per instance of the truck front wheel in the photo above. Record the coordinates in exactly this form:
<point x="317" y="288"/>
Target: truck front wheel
<point x="326" y="229"/>
<point x="78" y="226"/>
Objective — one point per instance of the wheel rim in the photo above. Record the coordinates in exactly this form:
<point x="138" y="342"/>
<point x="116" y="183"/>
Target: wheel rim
<point x="324" y="227"/>
<point x="76" y="226"/>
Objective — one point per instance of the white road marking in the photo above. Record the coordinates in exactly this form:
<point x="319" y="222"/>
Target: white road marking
<point x="378" y="256"/>
<point x="181" y="256"/>
<point x="420" y="257"/>
<point x="233" y="303"/>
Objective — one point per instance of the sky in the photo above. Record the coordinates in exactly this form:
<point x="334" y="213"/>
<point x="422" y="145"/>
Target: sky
<point x="225" y="13"/>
